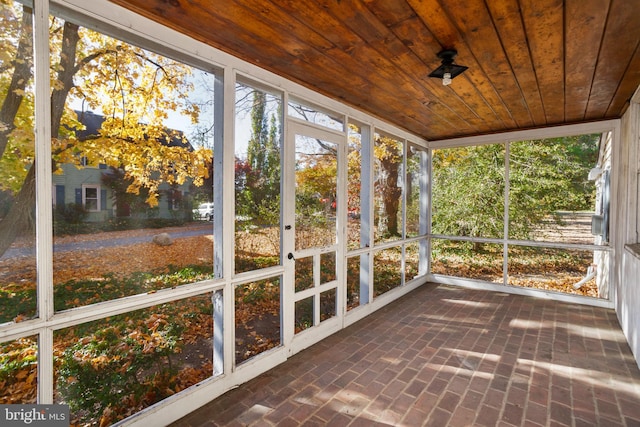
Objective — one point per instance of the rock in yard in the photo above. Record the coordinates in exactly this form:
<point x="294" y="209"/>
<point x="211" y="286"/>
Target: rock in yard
<point x="162" y="239"/>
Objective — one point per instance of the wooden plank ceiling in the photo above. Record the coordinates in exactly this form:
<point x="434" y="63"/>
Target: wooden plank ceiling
<point x="532" y="63"/>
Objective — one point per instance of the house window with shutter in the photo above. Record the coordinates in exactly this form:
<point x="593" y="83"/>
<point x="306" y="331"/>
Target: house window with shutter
<point x="174" y="200"/>
<point x="91" y="197"/>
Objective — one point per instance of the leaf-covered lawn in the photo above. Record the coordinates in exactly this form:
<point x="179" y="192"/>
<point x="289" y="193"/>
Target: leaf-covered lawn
<point x="538" y="268"/>
<point x="141" y="357"/>
<point x="150" y="342"/>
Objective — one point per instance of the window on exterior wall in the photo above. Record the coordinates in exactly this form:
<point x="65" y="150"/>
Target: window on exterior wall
<point x="468" y="260"/>
<point x="258" y="147"/>
<point x="257" y="317"/>
<point x="20" y="370"/>
<point x="154" y="135"/>
<point x="387" y="270"/>
<point x="91" y="197"/>
<point x="174" y="199"/>
<point x="551" y="198"/>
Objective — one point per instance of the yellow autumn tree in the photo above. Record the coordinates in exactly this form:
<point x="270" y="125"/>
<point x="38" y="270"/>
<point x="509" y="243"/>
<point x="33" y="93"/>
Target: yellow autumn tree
<point x="134" y="89"/>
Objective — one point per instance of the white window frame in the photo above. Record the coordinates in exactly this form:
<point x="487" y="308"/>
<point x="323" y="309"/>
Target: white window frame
<point x="86" y="187"/>
<point x="507" y="138"/>
<point x="176" y="202"/>
<point x="116" y="21"/>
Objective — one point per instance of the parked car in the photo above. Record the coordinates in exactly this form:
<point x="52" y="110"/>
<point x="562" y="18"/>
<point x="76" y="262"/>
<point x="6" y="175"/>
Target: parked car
<point x="204" y="211"/>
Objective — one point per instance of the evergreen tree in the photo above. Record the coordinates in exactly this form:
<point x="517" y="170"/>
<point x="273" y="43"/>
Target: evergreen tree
<point x="260" y="196"/>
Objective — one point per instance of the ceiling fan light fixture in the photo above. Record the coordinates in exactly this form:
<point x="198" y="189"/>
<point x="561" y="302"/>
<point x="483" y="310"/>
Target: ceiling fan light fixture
<point x="447" y="71"/>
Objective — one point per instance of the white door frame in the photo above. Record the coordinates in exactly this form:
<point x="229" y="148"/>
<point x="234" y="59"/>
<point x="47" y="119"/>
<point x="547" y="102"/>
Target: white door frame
<point x="297" y="342"/>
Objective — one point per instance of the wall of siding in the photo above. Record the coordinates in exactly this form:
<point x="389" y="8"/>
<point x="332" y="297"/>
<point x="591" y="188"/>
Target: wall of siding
<point x="627" y="292"/>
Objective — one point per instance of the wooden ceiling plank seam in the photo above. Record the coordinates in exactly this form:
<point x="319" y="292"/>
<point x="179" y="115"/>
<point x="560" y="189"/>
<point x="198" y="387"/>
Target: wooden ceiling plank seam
<point x="520" y="54"/>
<point x="392" y="69"/>
<point x="382" y="79"/>
<point x="328" y="80"/>
<point x="293" y="58"/>
<point x="533" y="66"/>
<point x="507" y="20"/>
<point x="444" y="111"/>
<point x="437" y="20"/>
<point x="463" y="86"/>
<point x="180" y="24"/>
<point x="584" y="32"/>
<point x="618" y="44"/>
<point x="319" y="22"/>
<point x="628" y="85"/>
<point x="450" y="29"/>
<point x="478" y="30"/>
<point x="402" y="31"/>
<point x="317" y="49"/>
<point x="390" y="13"/>
<point x="434" y="89"/>
<point x="460" y="86"/>
<point x="542" y="19"/>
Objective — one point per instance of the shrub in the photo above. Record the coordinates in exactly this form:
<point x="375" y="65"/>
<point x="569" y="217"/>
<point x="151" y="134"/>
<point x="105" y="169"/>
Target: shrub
<point x="116" y="368"/>
<point x="71" y="213"/>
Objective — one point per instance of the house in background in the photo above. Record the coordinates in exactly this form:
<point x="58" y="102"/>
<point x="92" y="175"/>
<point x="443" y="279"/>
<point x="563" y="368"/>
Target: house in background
<point x="87" y="186"/>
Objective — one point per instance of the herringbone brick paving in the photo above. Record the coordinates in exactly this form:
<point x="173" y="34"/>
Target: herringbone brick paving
<point x="445" y="356"/>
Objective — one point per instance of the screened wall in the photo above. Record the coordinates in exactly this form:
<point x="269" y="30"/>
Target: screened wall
<point x="178" y="221"/>
<point x="186" y="227"/>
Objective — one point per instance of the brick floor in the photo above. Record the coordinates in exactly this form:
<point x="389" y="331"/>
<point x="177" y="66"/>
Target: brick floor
<point x="445" y="356"/>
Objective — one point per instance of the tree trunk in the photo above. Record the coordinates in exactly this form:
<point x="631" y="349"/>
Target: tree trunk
<point x="20" y="217"/>
<point x="22" y="213"/>
<point x="391" y="207"/>
<point x="391" y="194"/>
<point x="21" y="76"/>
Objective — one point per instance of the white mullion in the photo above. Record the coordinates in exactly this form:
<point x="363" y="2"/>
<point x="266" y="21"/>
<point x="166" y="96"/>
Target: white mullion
<point x="45" y="366"/>
<point x="221" y="129"/>
<point x="505" y="246"/>
<point x="405" y="178"/>
<point x="366" y="214"/>
<point x="227" y="164"/>
<point x="316" y="308"/>
<point x="288" y="226"/>
<point x="403" y="216"/>
<point x="425" y="211"/>
<point x="341" y="226"/>
<point x="44" y="216"/>
<point x="316" y="270"/>
<point x="315" y="289"/>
